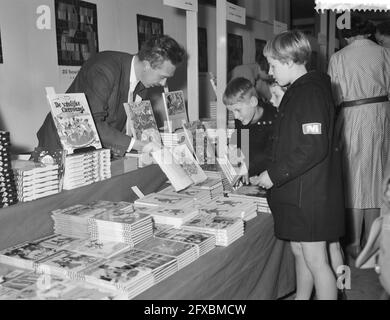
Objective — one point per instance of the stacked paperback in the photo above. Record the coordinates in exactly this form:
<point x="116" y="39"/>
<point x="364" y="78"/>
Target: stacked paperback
<point x="8" y="193"/>
<point x="198" y="195"/>
<point x="226" y="230"/>
<point x="231" y="207"/>
<point x="120" y="222"/>
<point x="35" y="180"/>
<point x="104" y="221"/>
<point x="85" y="168"/>
<point x="213" y="185"/>
<point x="255" y="194"/>
<point x="162" y="266"/>
<point x="204" y="242"/>
<point x="184" y="253"/>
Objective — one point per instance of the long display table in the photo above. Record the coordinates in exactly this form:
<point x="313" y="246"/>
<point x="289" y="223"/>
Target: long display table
<point x="257" y="266"/>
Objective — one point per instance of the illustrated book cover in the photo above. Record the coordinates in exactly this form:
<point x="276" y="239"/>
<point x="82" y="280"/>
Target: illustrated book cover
<point x="74" y="122"/>
<point x="175" y="109"/>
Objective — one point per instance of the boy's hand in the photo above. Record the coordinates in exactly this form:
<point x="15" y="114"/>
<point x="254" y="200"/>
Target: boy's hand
<point x="243" y="179"/>
<point x="263" y="180"/>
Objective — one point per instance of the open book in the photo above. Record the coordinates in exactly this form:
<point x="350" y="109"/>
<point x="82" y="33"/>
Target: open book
<point x="232" y="164"/>
<point x="141" y="123"/>
<point x="175" y="109"/>
<point x="180" y="167"/>
<point x="73" y="120"/>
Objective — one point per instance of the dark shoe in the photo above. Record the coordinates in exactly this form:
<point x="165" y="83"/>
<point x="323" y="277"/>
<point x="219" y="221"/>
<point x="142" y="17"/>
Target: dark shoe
<point x="341" y="295"/>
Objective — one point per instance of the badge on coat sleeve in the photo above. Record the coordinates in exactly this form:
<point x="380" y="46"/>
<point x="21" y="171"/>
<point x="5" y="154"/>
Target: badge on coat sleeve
<point x="311" y="128"/>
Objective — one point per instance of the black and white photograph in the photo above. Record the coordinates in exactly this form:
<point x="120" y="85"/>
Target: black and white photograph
<point x="141" y="177"/>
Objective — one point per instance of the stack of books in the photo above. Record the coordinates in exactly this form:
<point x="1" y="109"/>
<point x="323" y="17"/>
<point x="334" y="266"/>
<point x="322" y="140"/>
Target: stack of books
<point x="163" y="266"/>
<point x="172" y="216"/>
<point x="118" y="274"/>
<point x="184" y="253"/>
<point x="199" y="196"/>
<point x="35" y="180"/>
<point x="255" y="194"/>
<point x="155" y="200"/>
<point x="99" y="249"/>
<point x="231" y="207"/>
<point x="67" y="264"/>
<point x="226" y="230"/>
<point x="204" y="242"/>
<point x="213" y="185"/>
<point x="8" y="193"/>
<point x="73" y="221"/>
<point x="85" y="168"/>
<point x="173" y="139"/>
<point x="120" y="222"/>
<point x="21" y="284"/>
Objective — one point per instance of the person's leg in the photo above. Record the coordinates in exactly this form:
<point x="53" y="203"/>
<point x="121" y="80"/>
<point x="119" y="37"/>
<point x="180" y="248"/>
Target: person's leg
<point x="369" y="216"/>
<point x="336" y="256"/>
<point x="316" y="259"/>
<point x="304" y="277"/>
<point x="354" y="224"/>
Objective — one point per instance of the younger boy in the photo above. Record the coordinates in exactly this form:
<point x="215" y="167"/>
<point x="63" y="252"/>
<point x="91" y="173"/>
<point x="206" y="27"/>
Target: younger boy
<point x="240" y="97"/>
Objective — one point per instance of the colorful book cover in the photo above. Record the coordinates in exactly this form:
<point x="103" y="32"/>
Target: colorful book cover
<point x="141" y="122"/>
<point x="74" y="122"/>
<point x="175" y="109"/>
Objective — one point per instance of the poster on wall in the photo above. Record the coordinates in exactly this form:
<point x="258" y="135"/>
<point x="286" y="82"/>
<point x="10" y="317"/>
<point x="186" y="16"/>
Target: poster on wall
<point x="202" y="50"/>
<point x="259" y="46"/>
<point x="76" y="29"/>
<point x="1" y="50"/>
<point x="148" y="27"/>
<point x="235" y="51"/>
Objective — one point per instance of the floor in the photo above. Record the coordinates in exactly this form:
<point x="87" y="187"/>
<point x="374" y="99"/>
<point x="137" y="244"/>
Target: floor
<point x="364" y="285"/>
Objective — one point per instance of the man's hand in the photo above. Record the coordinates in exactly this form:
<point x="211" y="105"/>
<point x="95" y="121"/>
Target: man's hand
<point x="263" y="180"/>
<point x="151" y="147"/>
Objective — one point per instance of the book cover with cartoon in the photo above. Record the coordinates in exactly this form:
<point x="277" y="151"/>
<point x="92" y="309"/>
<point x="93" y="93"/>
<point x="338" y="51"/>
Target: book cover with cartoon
<point x="175" y="109"/>
<point x="73" y="120"/>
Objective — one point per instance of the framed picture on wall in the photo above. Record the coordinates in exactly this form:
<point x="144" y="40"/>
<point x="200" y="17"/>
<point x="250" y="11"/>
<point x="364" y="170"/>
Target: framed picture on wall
<point x="202" y="50"/>
<point x="1" y="50"/>
<point x="148" y="27"/>
<point x="235" y="51"/>
<point x="76" y="29"/>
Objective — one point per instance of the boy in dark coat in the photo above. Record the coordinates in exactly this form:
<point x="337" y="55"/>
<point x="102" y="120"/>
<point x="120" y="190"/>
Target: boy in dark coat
<point x="304" y="175"/>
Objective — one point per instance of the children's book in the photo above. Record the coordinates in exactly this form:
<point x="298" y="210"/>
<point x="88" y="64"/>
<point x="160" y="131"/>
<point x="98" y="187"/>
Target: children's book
<point x="141" y="123"/>
<point x="180" y="167"/>
<point x="74" y="122"/>
<point x="175" y="109"/>
<point x="198" y="142"/>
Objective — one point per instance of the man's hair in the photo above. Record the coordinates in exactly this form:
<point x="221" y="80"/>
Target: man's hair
<point x="289" y="45"/>
<point x="237" y="90"/>
<point x="160" y="48"/>
<point x="384" y="28"/>
<point x="359" y="27"/>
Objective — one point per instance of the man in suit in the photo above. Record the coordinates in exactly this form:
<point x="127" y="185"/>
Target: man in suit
<point x="111" y="78"/>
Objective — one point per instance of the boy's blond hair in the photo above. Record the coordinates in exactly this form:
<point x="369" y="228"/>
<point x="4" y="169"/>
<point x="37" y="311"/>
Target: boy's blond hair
<point x="289" y="46"/>
<point x="237" y="90"/>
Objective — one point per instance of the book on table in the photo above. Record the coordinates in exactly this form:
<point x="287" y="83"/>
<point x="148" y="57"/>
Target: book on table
<point x="141" y="122"/>
<point x="73" y="120"/>
<point x="180" y="166"/>
<point x="175" y="109"/>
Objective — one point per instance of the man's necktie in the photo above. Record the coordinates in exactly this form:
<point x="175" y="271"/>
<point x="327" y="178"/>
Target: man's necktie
<point x="138" y="89"/>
